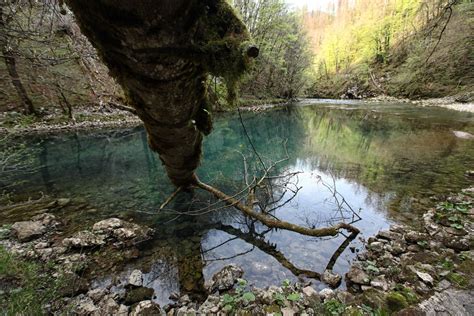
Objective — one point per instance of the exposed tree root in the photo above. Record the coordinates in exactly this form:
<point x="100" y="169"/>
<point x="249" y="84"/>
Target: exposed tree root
<point x="275" y="223"/>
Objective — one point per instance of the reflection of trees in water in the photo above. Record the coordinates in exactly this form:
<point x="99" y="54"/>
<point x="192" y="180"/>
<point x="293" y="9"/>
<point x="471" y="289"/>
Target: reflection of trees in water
<point x="193" y="215"/>
<point x="189" y="259"/>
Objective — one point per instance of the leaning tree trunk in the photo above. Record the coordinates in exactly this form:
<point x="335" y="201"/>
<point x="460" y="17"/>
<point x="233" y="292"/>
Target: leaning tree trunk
<point x="161" y="52"/>
<point x="10" y="63"/>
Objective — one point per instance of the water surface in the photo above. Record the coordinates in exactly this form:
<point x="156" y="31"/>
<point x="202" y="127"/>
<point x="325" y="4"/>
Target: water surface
<point x="384" y="160"/>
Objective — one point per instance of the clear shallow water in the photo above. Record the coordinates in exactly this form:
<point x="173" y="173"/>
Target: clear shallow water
<point x="386" y="160"/>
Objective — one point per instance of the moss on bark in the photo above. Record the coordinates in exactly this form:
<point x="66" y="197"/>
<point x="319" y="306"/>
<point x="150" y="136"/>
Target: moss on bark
<point x="161" y="53"/>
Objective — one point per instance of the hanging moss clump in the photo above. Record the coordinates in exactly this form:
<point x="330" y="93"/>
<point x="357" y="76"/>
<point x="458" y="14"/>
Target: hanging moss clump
<point x="225" y="45"/>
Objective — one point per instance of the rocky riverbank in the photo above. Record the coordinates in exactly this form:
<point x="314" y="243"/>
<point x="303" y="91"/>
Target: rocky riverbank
<point x="462" y="103"/>
<point x="86" y="119"/>
<point x="403" y="271"/>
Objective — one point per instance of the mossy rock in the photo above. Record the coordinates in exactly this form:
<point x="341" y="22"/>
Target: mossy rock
<point x="458" y="279"/>
<point x="373" y="298"/>
<point x="396" y="301"/>
<point x="138" y="294"/>
<point x="408" y="293"/>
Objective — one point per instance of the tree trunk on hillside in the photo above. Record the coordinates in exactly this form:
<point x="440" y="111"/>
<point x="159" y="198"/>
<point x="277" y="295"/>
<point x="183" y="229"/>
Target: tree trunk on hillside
<point x="10" y="63"/>
<point x="161" y="52"/>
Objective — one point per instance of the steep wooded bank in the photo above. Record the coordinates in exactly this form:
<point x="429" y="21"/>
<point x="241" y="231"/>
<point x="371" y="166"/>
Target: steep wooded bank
<point x="414" y="49"/>
<point x="49" y="70"/>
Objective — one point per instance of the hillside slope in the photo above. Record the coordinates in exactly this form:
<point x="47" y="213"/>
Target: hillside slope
<point x="435" y="60"/>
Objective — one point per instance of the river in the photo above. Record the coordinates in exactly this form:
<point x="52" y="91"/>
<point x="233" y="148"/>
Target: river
<point x="370" y="164"/>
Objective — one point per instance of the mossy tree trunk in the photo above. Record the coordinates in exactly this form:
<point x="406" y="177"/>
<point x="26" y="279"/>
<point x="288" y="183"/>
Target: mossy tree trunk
<point x="161" y="52"/>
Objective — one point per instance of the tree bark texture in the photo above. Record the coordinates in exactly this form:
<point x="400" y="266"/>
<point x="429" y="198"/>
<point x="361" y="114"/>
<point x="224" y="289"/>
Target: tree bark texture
<point x="160" y="52"/>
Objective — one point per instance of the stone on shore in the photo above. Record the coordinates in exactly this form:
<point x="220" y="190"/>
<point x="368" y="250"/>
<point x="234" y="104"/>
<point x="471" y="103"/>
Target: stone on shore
<point x="28" y="230"/>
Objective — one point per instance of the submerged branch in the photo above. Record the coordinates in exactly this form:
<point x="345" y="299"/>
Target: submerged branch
<point x="275" y="223"/>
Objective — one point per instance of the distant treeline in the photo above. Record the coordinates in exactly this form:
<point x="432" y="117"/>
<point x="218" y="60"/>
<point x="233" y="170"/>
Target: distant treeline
<point x="411" y="48"/>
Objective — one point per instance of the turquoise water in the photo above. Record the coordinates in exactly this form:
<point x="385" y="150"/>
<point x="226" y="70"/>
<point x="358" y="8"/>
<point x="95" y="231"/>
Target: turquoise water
<point x="384" y="160"/>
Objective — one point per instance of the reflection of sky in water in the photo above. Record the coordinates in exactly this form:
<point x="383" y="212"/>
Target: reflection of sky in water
<point x="382" y="157"/>
<point x="314" y="203"/>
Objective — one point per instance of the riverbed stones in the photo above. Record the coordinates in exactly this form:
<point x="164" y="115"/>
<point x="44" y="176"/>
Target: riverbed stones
<point x="226" y="278"/>
<point x="84" y="239"/>
<point x="380" y="283"/>
<point x="449" y="302"/>
<point x="389" y="235"/>
<point x="330" y="278"/>
<point x="357" y="276"/>
<point x="97" y="294"/>
<point x="28" y="230"/>
<point x="326" y="294"/>
<point x="309" y="291"/>
<point x="108" y="306"/>
<point x="138" y="294"/>
<point x="146" y="308"/>
<point x="210" y="306"/>
<point x="135" y="278"/>
<point x="425" y="277"/>
<point x="83" y="305"/>
<point x="415" y="237"/>
<point x="398" y="247"/>
<point x="457" y="244"/>
<point x="443" y="285"/>
<point x="107" y="225"/>
<point x="376" y="246"/>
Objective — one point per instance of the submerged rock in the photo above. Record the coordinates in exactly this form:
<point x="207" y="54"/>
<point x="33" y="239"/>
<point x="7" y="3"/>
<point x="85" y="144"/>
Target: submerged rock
<point x="463" y="135"/>
<point x="138" y="294"/>
<point x="226" y="278"/>
<point x="84" y="239"/>
<point x="28" y="230"/>
<point x="122" y="231"/>
<point x="107" y="225"/>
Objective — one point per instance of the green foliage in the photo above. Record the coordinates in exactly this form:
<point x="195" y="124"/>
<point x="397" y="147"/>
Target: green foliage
<point x="334" y="307"/>
<point x="371" y="267"/>
<point x="294" y="297"/>
<point x="393" y="48"/>
<point x="422" y="243"/>
<point x="239" y="299"/>
<point x="279" y="298"/>
<point x="369" y="311"/>
<point x="281" y="70"/>
<point x="29" y="286"/>
<point x="458" y="279"/>
<point x="453" y="213"/>
<point x="409" y="295"/>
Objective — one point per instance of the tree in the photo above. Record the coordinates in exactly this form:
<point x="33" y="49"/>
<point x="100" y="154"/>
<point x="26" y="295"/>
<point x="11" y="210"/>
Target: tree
<point x="161" y="54"/>
<point x="7" y="11"/>
<point x="281" y="69"/>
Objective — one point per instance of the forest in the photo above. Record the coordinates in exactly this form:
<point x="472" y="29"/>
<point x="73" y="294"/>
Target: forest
<point x="236" y="157"/>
